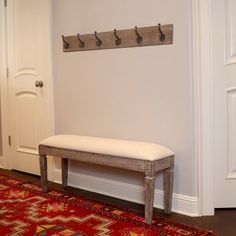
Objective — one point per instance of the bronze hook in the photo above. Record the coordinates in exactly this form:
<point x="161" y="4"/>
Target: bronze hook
<point x="139" y="38"/>
<point x="66" y="45"/>
<point x="81" y="43"/>
<point x="98" y="40"/>
<point x="162" y="36"/>
<point x="118" y="39"/>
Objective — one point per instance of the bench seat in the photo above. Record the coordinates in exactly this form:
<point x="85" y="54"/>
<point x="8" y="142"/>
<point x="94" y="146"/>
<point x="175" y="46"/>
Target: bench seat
<point x="114" y="147"/>
<point x="148" y="158"/>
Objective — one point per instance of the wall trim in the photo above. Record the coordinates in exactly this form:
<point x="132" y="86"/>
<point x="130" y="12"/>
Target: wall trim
<point x="5" y="162"/>
<point x="1" y="162"/>
<point x="203" y="102"/>
<point x="51" y="161"/>
<point x="182" y="204"/>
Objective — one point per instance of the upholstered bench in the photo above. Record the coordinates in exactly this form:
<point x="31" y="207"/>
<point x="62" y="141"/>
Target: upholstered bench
<point x="148" y="158"/>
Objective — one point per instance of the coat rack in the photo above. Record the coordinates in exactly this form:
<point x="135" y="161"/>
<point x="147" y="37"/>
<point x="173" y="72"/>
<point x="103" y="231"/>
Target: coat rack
<point x="136" y="37"/>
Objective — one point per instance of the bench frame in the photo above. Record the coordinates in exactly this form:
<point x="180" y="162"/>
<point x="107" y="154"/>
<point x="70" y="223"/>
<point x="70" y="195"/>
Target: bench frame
<point x="149" y="168"/>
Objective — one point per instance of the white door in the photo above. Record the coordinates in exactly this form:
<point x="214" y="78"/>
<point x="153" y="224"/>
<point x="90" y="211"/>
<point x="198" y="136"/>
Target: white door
<point x="224" y="70"/>
<point x="29" y="80"/>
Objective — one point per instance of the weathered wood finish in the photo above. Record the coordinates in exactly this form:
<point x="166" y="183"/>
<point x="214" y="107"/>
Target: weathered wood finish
<point x="168" y="186"/>
<point x="149" y="197"/>
<point x="150" y="35"/>
<point x="94" y="158"/>
<point x="43" y="171"/>
<point x="149" y="168"/>
<point x="64" y="169"/>
<point x="168" y="189"/>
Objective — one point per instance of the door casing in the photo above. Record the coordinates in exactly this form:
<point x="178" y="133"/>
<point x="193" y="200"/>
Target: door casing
<point x="5" y="161"/>
<point x="202" y="75"/>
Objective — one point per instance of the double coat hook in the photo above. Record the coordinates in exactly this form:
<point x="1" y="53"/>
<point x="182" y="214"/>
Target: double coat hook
<point x="81" y="43"/>
<point x="118" y="39"/>
<point x="66" y="45"/>
<point x="162" y="36"/>
<point x="98" y="40"/>
<point x="139" y="38"/>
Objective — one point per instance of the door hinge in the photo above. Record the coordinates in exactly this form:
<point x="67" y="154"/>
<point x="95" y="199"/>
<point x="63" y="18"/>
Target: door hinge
<point x="5" y="3"/>
<point x="7" y="72"/>
<point x="9" y="140"/>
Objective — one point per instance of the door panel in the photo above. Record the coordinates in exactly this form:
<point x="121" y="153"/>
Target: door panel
<point x="224" y="70"/>
<point x="230" y="31"/>
<point x="26" y="129"/>
<point x="25" y="31"/>
<point x="29" y="60"/>
<point x="231" y="133"/>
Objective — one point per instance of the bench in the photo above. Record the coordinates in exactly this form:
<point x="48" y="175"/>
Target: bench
<point x="148" y="158"/>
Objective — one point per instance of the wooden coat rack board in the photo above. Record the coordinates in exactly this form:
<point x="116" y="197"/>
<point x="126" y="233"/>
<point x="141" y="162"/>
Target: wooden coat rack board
<point x="136" y="37"/>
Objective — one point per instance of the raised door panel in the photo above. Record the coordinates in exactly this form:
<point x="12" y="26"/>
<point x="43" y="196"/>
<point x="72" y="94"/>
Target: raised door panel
<point x="26" y="36"/>
<point x="26" y="122"/>
<point x="230" y="31"/>
<point x="231" y="133"/>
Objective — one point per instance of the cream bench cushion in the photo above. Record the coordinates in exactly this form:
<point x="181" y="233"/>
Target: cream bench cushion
<point x="114" y="147"/>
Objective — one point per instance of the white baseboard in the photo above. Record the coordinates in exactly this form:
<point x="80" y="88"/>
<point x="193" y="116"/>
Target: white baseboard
<point x="1" y="162"/>
<point x="181" y="204"/>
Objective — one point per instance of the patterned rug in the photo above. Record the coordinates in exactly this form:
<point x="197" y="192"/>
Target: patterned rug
<point x="25" y="210"/>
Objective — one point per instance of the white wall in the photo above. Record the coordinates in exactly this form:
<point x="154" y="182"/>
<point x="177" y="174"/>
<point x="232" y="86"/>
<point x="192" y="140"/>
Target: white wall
<point x="135" y="93"/>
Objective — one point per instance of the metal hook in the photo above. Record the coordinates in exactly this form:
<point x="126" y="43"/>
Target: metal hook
<point x="162" y="36"/>
<point x="66" y="45"/>
<point x="99" y="41"/>
<point x="81" y="43"/>
<point x="118" y="39"/>
<point x="139" y="38"/>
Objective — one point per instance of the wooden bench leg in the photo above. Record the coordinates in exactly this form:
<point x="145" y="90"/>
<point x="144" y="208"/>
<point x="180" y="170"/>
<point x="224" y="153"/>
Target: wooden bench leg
<point x="149" y="198"/>
<point x="43" y="172"/>
<point x="168" y="189"/>
<point x="64" y="169"/>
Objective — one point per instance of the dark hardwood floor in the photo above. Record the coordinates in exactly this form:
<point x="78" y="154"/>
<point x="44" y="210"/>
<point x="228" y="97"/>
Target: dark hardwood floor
<point x="223" y="223"/>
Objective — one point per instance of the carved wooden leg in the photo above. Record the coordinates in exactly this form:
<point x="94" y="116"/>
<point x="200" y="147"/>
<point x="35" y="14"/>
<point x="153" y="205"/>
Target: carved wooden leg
<point x="168" y="189"/>
<point x="43" y="172"/>
<point x="149" y="198"/>
<point x="64" y="169"/>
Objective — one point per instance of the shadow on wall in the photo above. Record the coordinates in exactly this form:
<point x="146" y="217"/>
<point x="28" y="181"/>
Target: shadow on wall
<point x="0" y="131"/>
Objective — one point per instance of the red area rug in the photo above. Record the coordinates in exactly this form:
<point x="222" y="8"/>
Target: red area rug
<point x="25" y="210"/>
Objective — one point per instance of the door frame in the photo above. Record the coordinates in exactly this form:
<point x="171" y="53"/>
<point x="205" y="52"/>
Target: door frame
<point x="202" y="74"/>
<point x="7" y="158"/>
<point x="5" y="161"/>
